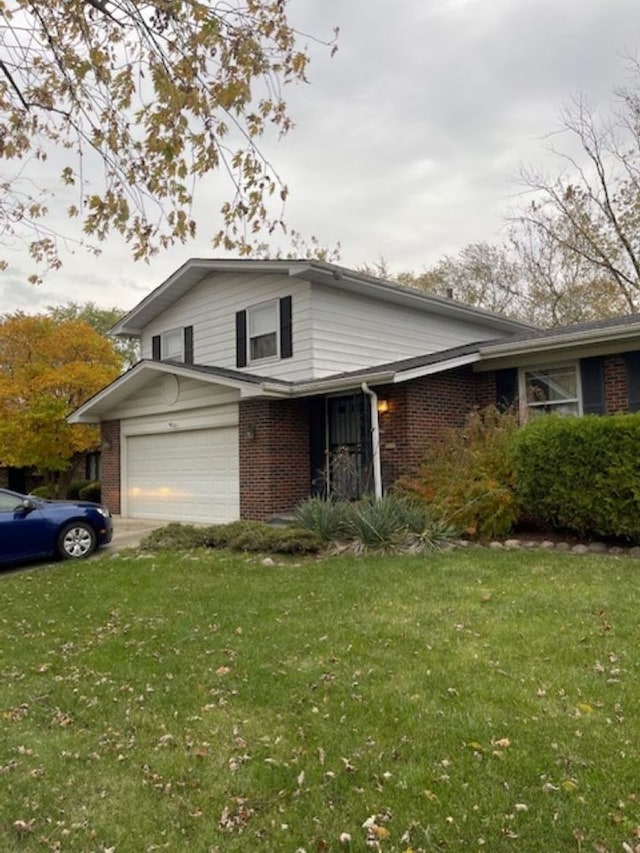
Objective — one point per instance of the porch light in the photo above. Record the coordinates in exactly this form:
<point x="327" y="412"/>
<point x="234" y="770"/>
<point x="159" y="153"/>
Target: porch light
<point x="383" y="407"/>
<point x="250" y="434"/>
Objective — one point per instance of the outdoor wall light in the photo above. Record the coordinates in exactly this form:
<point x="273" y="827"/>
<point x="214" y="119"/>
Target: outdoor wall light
<point x="383" y="407"/>
<point x="106" y="444"/>
<point x="250" y="433"/>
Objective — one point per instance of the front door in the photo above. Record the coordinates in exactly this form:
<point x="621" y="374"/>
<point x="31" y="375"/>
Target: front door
<point x="341" y="447"/>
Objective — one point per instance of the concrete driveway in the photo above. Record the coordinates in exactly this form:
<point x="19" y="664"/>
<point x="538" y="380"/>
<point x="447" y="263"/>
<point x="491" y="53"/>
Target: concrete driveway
<point x="127" y="532"/>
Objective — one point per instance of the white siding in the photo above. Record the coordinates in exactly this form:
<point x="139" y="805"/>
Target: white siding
<point x="333" y="330"/>
<point x="211" y="306"/>
<point x="352" y="332"/>
<point x="156" y="398"/>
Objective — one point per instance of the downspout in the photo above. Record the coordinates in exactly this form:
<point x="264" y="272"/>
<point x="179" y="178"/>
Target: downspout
<point x="375" y="441"/>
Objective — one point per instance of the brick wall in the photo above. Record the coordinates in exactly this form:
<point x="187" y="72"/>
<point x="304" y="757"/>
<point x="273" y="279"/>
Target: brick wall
<point x="419" y="412"/>
<point x="274" y="457"/>
<point x="110" y="465"/>
<point x="615" y="384"/>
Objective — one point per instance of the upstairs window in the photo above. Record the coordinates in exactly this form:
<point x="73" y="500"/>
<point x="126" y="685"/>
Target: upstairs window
<point x="174" y="345"/>
<point x="263" y="331"/>
<point x="551" y="390"/>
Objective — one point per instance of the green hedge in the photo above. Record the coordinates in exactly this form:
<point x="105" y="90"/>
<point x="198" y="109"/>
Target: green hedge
<point x="582" y="474"/>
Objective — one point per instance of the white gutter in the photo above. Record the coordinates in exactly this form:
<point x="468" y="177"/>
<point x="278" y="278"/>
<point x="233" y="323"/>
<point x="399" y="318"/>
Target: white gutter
<point x="322" y="386"/>
<point x="375" y="441"/>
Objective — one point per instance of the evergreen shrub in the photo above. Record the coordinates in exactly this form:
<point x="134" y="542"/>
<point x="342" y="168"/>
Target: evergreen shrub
<point x="92" y="491"/>
<point x="581" y="474"/>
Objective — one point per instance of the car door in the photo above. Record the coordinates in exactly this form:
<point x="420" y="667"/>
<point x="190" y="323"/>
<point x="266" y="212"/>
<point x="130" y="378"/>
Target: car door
<point x="22" y="533"/>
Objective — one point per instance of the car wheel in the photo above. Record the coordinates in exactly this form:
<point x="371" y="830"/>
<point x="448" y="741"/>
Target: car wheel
<point x="76" y="541"/>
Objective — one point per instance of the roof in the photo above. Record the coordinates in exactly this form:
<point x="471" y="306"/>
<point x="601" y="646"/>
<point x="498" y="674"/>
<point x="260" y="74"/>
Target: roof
<point x="612" y="329"/>
<point x="196" y="270"/>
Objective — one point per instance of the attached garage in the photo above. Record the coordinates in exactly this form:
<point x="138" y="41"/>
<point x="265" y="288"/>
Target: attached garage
<point x="186" y="475"/>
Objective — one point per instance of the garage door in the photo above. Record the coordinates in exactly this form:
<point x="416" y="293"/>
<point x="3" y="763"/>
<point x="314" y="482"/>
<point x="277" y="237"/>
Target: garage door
<point x="189" y="475"/>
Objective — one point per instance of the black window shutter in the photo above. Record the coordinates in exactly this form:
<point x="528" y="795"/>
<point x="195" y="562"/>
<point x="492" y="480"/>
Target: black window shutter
<point x="592" y="377"/>
<point x="506" y="387"/>
<point x="632" y="363"/>
<point x="241" y="339"/>
<point x="188" y="344"/>
<point x="286" y="332"/>
<point x="155" y="348"/>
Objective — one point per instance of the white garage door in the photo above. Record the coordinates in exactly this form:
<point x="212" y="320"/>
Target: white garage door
<point x="190" y="475"/>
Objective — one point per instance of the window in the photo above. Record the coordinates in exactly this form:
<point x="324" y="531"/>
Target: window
<point x="172" y="345"/>
<point x="263" y="331"/>
<point x="9" y="503"/>
<point x="551" y="390"/>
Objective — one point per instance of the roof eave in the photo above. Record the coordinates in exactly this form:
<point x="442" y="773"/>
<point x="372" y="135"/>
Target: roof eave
<point x="560" y="341"/>
<point x="92" y="411"/>
<point x="130" y="325"/>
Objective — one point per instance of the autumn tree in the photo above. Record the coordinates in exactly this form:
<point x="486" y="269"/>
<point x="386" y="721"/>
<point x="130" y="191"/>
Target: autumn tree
<point x="529" y="277"/>
<point x="47" y="369"/>
<point x="157" y="94"/>
<point x="481" y="274"/>
<point x="558" y="285"/>
<point x="590" y="212"/>
<point x="100" y="319"/>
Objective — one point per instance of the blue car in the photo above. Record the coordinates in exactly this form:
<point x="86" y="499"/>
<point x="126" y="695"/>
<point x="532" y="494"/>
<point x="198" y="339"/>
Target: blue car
<point x="33" y="528"/>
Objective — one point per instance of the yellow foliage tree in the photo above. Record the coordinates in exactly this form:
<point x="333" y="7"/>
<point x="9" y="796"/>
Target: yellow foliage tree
<point x="47" y="369"/>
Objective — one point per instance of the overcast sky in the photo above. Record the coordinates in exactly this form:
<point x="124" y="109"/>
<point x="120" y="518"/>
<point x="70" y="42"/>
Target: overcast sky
<point x="407" y="141"/>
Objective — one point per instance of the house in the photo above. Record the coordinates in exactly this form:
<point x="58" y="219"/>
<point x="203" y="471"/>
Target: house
<point x="264" y="382"/>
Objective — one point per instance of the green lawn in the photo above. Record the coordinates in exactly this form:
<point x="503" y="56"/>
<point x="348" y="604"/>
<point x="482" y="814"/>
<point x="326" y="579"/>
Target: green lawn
<point x="469" y="700"/>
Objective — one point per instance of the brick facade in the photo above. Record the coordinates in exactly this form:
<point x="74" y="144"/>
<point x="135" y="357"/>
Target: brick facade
<point x="616" y="385"/>
<point x="274" y="457"/>
<point x="419" y="412"/>
<point x="110" y="465"/>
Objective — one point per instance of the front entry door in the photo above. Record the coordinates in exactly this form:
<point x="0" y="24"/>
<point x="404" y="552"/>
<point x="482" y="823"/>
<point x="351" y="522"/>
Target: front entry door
<point x="345" y="470"/>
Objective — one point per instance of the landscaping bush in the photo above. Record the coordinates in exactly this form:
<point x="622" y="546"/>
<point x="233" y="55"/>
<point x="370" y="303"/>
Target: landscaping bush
<point x="326" y="518"/>
<point x="175" y="536"/>
<point x="91" y="492"/>
<point x="395" y="520"/>
<point x="275" y="539"/>
<point x="468" y="478"/>
<point x="582" y="474"/>
<point x="75" y="487"/>
<point x="47" y="492"/>
<point x="383" y="522"/>
<point x="238" y="536"/>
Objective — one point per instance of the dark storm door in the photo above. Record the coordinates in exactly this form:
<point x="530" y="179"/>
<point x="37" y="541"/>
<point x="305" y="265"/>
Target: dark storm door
<point x="349" y="446"/>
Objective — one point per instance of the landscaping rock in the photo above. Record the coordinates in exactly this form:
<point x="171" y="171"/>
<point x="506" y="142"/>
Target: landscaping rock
<point x="635" y="551"/>
<point x="580" y="549"/>
<point x="512" y="544"/>
<point x="547" y="545"/>
<point x="597" y="548"/>
<point x="562" y="546"/>
<point x="496" y="546"/>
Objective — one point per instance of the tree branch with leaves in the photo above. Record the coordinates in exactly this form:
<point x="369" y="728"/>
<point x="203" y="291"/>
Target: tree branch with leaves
<point x="161" y="93"/>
